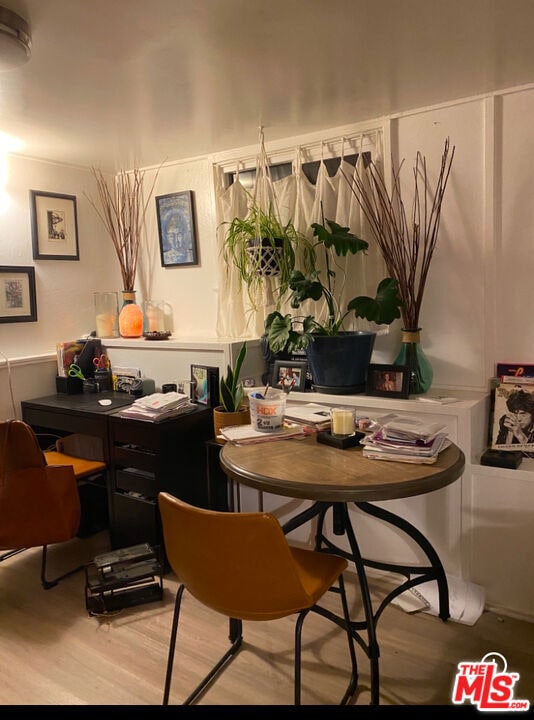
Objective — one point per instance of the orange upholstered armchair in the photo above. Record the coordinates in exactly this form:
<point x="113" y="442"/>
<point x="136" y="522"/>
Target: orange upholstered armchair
<point x="39" y="503"/>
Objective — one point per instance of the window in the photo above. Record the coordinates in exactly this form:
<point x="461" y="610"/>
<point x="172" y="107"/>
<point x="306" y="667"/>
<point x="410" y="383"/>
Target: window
<point x="282" y="170"/>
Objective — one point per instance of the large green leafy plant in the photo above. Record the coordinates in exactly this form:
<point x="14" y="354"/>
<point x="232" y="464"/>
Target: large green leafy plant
<point x="291" y="332"/>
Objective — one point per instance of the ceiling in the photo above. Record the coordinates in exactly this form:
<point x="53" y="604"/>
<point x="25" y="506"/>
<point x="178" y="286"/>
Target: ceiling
<point x="115" y="83"/>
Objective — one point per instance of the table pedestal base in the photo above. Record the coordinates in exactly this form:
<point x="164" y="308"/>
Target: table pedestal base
<point x="364" y="631"/>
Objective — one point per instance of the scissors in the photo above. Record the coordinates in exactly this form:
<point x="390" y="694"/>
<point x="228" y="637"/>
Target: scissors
<point x="75" y="371"/>
<point x="101" y="362"/>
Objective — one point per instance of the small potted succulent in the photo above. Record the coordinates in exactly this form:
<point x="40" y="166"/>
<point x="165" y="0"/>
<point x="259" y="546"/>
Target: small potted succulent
<point x="232" y="410"/>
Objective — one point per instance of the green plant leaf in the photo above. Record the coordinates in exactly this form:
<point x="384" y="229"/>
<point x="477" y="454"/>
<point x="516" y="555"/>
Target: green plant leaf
<point x="230" y="388"/>
<point x="340" y="238"/>
<point x="384" y="308"/>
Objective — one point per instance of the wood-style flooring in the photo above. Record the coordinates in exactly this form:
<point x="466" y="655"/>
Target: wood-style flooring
<point x="53" y="653"/>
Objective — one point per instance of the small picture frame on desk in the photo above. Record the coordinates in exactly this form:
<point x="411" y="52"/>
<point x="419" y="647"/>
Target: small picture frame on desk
<point x="54" y="226"/>
<point x="387" y="380"/>
<point x="289" y="375"/>
<point x="17" y="294"/>
<point x="205" y="385"/>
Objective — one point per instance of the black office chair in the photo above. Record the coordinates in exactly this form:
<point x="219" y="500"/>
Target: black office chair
<point x="242" y="566"/>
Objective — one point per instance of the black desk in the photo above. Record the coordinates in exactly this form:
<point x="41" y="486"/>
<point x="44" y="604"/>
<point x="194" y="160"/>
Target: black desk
<point x="143" y="458"/>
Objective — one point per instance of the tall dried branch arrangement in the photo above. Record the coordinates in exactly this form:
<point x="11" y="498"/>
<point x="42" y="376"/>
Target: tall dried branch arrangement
<point x="407" y="245"/>
<point x="122" y="209"/>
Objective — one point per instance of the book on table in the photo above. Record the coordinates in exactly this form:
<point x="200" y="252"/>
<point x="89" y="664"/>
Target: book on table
<point x="312" y="414"/>
<point x="406" y="439"/>
<point x="246" y="434"/>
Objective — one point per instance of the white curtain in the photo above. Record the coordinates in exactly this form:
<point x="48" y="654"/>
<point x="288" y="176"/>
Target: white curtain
<point x="295" y="198"/>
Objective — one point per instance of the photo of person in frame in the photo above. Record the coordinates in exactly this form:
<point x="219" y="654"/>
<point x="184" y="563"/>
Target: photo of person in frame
<point x="516" y="425"/>
<point x="387" y="382"/>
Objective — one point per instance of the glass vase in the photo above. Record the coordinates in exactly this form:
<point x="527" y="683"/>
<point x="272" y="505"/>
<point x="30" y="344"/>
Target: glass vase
<point x="130" y="316"/>
<point x="412" y="356"/>
<point x="106" y="314"/>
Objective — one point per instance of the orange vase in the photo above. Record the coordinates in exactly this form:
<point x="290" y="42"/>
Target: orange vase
<point x="130" y="316"/>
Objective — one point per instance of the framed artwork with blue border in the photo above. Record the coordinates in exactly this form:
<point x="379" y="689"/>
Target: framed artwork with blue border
<point x="176" y="228"/>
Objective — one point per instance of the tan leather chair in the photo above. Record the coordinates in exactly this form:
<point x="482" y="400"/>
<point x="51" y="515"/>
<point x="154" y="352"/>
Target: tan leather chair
<point x="242" y="566"/>
<point x="39" y="503"/>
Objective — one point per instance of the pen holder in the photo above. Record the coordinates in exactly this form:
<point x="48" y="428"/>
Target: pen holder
<point x="69" y="385"/>
<point x="103" y="379"/>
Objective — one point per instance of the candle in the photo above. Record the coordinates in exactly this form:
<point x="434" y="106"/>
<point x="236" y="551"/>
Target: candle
<point x="342" y="422"/>
<point x="104" y="325"/>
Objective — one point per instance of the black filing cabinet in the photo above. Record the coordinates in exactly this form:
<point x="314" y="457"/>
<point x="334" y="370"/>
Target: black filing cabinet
<point x="148" y="458"/>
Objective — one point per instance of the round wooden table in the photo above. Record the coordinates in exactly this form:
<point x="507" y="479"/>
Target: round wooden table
<point x="332" y="478"/>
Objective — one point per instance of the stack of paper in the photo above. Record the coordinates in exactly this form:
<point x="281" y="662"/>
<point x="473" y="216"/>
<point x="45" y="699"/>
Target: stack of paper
<point x="246" y="434"/>
<point x="312" y="415"/>
<point x="405" y="439"/>
<point x="158" y="406"/>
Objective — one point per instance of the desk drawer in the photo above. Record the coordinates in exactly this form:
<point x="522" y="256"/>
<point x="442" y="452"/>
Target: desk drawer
<point x="137" y="481"/>
<point x="137" y="457"/>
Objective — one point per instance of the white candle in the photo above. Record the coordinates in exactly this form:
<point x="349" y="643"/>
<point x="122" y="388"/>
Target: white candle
<point x="104" y="325"/>
<point x="342" y="421"/>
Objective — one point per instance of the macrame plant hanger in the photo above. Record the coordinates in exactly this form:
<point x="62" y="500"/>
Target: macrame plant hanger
<point x="263" y="195"/>
<point x="264" y="199"/>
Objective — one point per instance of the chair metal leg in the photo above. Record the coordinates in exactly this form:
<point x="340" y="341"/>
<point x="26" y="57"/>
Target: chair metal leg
<point x="47" y="584"/>
<point x="345" y="624"/>
<point x="298" y="653"/>
<point x="236" y="635"/>
<point x="353" y="684"/>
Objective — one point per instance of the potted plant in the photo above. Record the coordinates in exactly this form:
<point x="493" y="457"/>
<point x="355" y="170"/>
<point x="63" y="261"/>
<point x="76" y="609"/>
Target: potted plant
<point x="326" y="342"/>
<point x="232" y="410"/>
<point x="260" y="246"/>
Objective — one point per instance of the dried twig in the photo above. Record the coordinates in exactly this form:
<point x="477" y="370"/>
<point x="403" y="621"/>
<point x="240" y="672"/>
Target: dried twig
<point x="122" y="209"/>
<point x="407" y="249"/>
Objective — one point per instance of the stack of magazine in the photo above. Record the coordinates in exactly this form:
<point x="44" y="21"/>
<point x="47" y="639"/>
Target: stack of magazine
<point x="405" y="439"/>
<point x="311" y="415"/>
<point x="158" y="406"/>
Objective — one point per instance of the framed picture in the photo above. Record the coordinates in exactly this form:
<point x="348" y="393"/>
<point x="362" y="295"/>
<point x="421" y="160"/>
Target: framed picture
<point x="388" y="381"/>
<point x="54" y="226"/>
<point x="513" y="417"/>
<point x="517" y="370"/>
<point x="289" y="374"/>
<point x="176" y="227"/>
<point x="205" y="385"/>
<point x="17" y="294"/>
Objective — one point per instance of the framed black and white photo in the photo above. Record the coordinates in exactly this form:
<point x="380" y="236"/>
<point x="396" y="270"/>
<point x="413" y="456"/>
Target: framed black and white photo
<point x="17" y="294"/>
<point x="387" y="380"/>
<point x="54" y="226"/>
<point x="289" y="375"/>
<point x="176" y="227"/>
<point x="513" y="417"/>
<point x="205" y="385"/>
